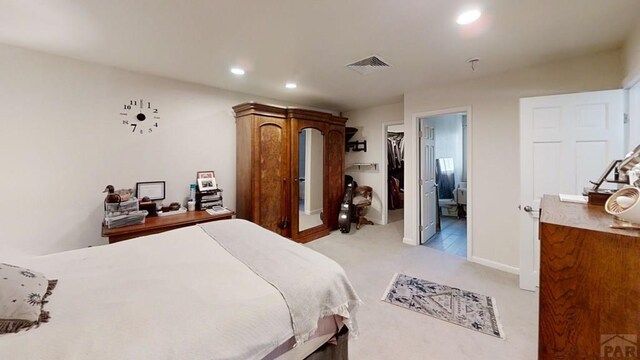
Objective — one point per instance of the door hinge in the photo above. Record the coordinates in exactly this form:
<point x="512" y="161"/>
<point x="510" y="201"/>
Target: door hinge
<point x="421" y="228"/>
<point x="626" y="118"/>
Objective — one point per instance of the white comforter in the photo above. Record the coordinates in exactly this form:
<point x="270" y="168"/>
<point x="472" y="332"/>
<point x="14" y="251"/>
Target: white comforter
<point x="313" y="286"/>
<point x="176" y="295"/>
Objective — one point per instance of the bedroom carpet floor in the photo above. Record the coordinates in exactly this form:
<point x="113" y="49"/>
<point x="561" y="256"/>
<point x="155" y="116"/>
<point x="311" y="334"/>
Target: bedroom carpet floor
<point x="371" y="255"/>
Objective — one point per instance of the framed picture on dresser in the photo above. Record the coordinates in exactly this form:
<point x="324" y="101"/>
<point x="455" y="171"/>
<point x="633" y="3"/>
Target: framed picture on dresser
<point x="154" y="190"/>
<point x="206" y="180"/>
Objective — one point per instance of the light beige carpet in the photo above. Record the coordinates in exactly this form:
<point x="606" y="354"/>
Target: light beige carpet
<point x="371" y="256"/>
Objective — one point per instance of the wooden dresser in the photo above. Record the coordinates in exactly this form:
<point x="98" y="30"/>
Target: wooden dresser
<point x="589" y="283"/>
<point x="158" y="224"/>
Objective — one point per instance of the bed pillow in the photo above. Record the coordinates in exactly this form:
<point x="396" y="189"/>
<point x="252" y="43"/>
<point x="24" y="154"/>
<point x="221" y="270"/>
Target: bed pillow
<point x="23" y="293"/>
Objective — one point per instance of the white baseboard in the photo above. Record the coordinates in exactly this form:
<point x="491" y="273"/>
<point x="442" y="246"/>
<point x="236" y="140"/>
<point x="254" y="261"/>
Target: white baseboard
<point x="495" y="265"/>
<point x="408" y="241"/>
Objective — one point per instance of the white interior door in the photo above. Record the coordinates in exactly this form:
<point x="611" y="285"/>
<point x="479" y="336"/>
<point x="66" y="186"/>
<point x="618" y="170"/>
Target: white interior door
<point x="428" y="199"/>
<point x="565" y="141"/>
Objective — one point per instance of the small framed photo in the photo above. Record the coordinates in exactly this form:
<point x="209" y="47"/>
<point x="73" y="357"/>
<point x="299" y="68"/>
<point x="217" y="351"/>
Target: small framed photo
<point x="206" y="180"/>
<point x="206" y="175"/>
<point x="154" y="190"/>
<point x="206" y="184"/>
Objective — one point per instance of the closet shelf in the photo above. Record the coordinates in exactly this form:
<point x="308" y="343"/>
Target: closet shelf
<point x="360" y="165"/>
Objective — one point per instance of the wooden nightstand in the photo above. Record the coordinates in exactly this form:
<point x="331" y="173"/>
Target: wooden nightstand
<point x="158" y="224"/>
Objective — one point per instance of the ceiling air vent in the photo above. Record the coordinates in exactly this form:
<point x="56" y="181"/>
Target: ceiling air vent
<point x="369" y="65"/>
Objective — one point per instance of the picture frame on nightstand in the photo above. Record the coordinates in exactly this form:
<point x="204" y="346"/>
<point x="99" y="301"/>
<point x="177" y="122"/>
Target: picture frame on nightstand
<point x="206" y="180"/>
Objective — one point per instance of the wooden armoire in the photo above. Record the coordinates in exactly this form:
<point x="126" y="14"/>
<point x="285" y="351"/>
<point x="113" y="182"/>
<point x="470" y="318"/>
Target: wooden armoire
<point x="288" y="160"/>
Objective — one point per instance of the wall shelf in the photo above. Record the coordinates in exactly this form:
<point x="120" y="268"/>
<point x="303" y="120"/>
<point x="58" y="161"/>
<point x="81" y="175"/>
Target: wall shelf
<point x="361" y="165"/>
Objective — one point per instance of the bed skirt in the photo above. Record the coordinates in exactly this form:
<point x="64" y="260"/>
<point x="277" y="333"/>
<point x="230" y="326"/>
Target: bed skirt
<point x="329" y="351"/>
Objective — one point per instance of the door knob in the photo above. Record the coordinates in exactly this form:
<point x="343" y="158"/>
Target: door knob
<point x="528" y="208"/>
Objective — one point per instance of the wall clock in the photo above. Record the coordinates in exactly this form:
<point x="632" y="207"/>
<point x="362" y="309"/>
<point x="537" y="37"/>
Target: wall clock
<point x="140" y="116"/>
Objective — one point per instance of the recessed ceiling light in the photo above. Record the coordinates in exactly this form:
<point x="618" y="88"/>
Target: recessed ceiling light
<point x="468" y="17"/>
<point x="237" y="71"/>
<point x="291" y="85"/>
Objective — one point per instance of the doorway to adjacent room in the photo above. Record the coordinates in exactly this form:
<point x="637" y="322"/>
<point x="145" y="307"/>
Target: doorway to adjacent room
<point x="394" y="175"/>
<point x="443" y="182"/>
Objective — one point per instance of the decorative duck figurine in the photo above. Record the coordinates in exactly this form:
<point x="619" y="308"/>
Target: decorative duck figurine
<point x="112" y="197"/>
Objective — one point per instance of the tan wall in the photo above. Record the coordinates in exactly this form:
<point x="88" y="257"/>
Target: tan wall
<point x="631" y="56"/>
<point x="494" y="140"/>
<point x="369" y="123"/>
<point x="63" y="141"/>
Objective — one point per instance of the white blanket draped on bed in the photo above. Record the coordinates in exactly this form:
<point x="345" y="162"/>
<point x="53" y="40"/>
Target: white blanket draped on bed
<point x="175" y="295"/>
<point x="286" y="264"/>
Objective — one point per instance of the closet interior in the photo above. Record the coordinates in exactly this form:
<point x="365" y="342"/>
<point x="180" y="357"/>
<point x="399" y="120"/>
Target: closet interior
<point x="395" y="167"/>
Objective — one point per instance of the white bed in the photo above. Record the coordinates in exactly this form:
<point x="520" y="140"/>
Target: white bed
<point x="175" y="295"/>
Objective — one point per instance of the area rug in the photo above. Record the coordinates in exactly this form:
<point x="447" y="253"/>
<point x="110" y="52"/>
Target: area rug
<point x="465" y="308"/>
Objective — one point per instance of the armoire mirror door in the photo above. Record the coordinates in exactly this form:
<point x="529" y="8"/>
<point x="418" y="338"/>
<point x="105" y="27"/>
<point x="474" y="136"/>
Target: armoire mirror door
<point x="308" y="190"/>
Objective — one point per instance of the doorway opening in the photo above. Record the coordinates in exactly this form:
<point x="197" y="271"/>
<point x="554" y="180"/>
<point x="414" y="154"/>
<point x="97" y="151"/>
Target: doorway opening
<point x="443" y="182"/>
<point x="394" y="176"/>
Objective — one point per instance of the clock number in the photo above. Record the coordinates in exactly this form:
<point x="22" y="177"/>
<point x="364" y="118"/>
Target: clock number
<point x="150" y="130"/>
<point x="133" y="102"/>
<point x="156" y="124"/>
<point x="127" y="107"/>
<point x="134" y="127"/>
<point x="125" y="122"/>
<point x="141" y="131"/>
<point x="155" y="111"/>
<point x="148" y="105"/>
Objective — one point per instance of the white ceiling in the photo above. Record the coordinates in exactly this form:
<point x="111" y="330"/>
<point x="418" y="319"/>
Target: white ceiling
<point x="310" y="42"/>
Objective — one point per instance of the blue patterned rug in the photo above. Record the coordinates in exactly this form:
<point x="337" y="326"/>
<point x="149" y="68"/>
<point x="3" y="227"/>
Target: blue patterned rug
<point x="465" y="308"/>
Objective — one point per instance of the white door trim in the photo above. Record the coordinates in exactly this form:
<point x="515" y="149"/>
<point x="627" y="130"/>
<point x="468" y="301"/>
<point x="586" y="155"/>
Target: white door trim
<point x="384" y="198"/>
<point x="415" y="125"/>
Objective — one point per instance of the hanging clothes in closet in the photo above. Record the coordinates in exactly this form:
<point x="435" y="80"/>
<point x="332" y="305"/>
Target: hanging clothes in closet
<point x="395" y="150"/>
<point x="395" y="154"/>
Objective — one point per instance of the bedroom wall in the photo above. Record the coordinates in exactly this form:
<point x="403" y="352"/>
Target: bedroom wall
<point x="369" y="124"/>
<point x="631" y="56"/>
<point x="494" y="138"/>
<point x="632" y="80"/>
<point x="62" y="141"/>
